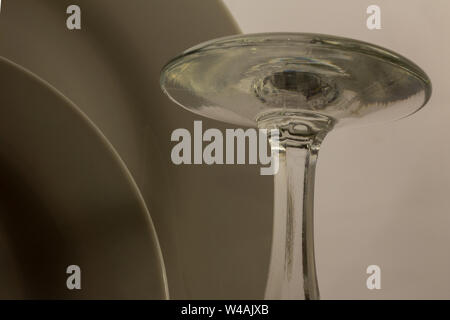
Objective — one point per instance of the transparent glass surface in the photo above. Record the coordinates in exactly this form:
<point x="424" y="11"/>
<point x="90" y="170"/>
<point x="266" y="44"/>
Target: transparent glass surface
<point x="237" y="79"/>
<point x="304" y="85"/>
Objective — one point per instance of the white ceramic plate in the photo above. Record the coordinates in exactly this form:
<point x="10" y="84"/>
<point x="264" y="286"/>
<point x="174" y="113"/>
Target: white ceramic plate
<point x="66" y="198"/>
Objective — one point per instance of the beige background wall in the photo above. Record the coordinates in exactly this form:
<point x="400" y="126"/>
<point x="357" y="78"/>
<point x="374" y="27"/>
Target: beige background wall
<point x="382" y="192"/>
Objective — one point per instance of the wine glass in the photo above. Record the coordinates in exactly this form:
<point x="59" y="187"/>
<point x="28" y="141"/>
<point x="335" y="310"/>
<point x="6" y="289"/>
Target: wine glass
<point x="304" y="86"/>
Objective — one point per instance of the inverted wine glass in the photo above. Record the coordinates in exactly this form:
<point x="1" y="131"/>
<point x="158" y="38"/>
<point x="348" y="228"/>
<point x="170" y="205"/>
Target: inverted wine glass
<point x="303" y="85"/>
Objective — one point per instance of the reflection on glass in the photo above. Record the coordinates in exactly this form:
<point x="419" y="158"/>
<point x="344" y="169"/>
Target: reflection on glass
<point x="304" y="85"/>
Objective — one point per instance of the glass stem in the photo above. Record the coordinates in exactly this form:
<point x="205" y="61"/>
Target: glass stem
<point x="292" y="270"/>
